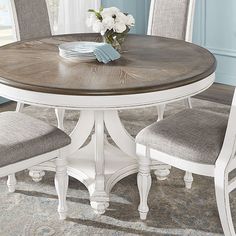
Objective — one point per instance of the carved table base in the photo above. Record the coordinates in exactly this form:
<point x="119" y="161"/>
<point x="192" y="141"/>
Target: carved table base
<point x="100" y="165"/>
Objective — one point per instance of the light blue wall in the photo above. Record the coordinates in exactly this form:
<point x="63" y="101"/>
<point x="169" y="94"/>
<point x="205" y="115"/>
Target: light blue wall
<point x="138" y="8"/>
<point x="215" y="29"/>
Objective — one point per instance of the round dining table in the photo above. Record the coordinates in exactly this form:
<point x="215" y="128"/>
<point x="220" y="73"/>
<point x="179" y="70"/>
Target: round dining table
<point x="151" y="71"/>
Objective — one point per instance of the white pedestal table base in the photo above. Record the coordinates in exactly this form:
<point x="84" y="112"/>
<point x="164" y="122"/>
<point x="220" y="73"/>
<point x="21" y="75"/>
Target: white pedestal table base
<point x="100" y="165"/>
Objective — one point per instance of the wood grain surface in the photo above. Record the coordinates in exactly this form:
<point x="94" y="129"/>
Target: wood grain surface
<point x="148" y="64"/>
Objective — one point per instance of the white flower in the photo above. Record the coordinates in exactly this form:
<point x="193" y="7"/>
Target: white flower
<point x="130" y="20"/>
<point x="114" y="9"/>
<point x="98" y="26"/>
<point x="119" y="27"/>
<point x="108" y="23"/>
<point x="121" y="17"/>
<point x="109" y="12"/>
<point x="111" y="19"/>
<point x="91" y="20"/>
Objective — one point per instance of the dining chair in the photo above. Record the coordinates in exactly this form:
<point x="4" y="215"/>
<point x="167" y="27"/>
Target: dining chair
<point x="26" y="142"/>
<point x="196" y="141"/>
<point x="172" y="19"/>
<point x="31" y="21"/>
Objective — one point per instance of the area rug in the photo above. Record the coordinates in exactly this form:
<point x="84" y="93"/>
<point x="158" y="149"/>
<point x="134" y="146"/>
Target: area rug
<point x="31" y="210"/>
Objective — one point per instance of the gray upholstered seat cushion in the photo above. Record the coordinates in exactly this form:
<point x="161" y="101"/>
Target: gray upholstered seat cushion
<point x="192" y="134"/>
<point x="23" y="137"/>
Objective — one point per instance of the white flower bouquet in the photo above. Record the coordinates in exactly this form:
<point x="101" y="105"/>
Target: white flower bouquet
<point x="112" y="24"/>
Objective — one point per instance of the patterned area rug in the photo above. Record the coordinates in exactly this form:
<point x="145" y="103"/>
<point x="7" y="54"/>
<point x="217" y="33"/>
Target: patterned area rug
<point x="173" y="209"/>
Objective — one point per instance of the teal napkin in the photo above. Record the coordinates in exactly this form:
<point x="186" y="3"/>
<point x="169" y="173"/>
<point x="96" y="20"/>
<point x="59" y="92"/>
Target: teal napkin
<point x="105" y="53"/>
<point x="101" y="56"/>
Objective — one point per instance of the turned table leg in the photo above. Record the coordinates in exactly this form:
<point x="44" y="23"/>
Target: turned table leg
<point x="99" y="199"/>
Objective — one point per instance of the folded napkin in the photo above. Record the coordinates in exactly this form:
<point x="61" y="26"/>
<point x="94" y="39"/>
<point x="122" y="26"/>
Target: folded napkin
<point x="105" y="53"/>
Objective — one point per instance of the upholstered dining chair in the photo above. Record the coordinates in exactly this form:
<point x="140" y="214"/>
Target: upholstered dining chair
<point x="30" y="21"/>
<point x="171" y="19"/>
<point x="26" y="142"/>
<point x="197" y="141"/>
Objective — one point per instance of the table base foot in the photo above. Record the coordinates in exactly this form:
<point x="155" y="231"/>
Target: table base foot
<point x="161" y="170"/>
<point x="118" y="165"/>
<point x="36" y="175"/>
<point x="99" y="205"/>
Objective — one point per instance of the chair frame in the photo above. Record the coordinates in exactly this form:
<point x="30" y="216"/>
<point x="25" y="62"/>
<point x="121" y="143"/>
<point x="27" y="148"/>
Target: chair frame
<point x="61" y="176"/>
<point x="225" y="163"/>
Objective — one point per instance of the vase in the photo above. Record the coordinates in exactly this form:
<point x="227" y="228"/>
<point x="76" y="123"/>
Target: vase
<point x="115" y="39"/>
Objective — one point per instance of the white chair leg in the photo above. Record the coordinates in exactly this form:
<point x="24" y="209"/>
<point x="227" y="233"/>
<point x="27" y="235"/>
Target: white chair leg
<point x="188" y="103"/>
<point x="11" y="183"/>
<point x="188" y="179"/>
<point x="161" y="111"/>
<point x="144" y="184"/>
<point x="223" y="204"/>
<point x="60" y="113"/>
<point x="61" y="184"/>
<point x="19" y="107"/>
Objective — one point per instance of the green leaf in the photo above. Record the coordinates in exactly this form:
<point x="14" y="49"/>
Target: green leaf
<point x="98" y="15"/>
<point x="101" y="9"/>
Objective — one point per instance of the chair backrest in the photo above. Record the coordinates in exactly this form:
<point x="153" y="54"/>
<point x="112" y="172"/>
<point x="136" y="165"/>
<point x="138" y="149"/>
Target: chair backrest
<point x="228" y="151"/>
<point x="30" y="18"/>
<point x="172" y="19"/>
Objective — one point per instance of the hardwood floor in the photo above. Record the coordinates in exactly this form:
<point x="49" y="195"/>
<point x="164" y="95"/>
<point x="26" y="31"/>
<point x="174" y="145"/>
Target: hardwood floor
<point x="219" y="93"/>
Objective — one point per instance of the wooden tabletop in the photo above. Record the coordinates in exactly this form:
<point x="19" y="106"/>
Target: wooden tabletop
<point x="148" y="64"/>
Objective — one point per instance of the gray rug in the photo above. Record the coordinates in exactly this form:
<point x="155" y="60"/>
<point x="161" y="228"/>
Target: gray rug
<point x="173" y="209"/>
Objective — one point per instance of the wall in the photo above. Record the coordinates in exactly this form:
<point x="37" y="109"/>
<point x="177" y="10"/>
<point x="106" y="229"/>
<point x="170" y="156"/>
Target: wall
<point x="215" y="29"/>
<point x="138" y="8"/>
